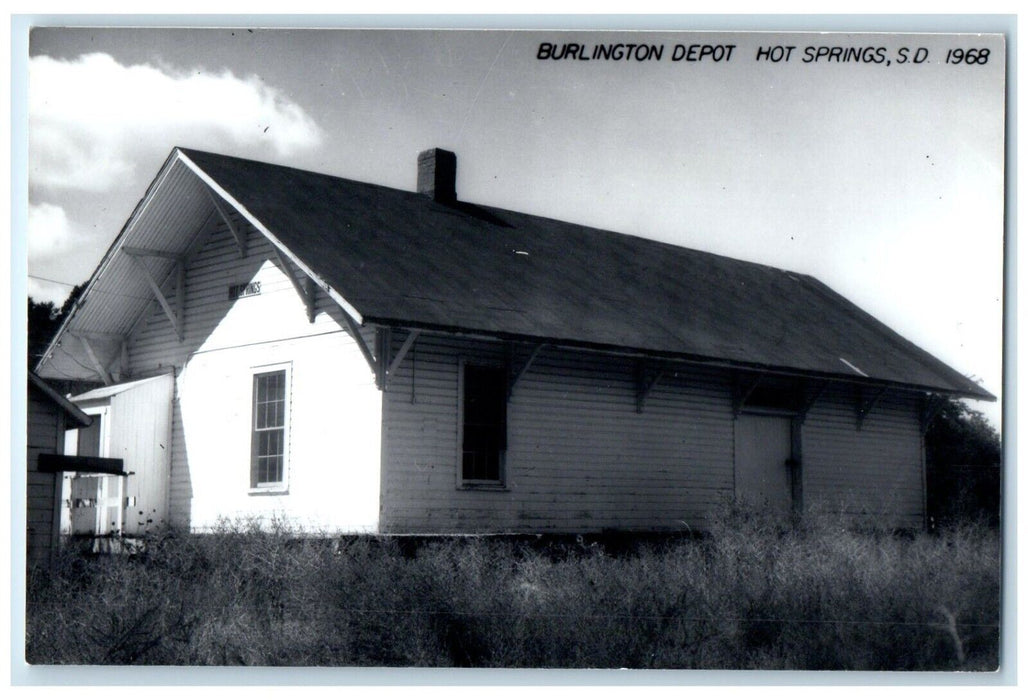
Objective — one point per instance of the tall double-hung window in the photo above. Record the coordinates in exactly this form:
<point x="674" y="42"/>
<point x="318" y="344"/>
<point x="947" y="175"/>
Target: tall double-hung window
<point x="269" y="446"/>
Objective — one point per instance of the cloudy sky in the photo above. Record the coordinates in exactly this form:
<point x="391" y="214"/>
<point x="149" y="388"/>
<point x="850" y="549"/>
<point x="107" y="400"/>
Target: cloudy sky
<point x="884" y="181"/>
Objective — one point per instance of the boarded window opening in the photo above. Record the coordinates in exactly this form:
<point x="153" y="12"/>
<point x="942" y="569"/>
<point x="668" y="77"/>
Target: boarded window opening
<point x="485" y="424"/>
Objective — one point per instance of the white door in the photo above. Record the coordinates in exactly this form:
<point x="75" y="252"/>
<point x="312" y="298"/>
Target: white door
<point x="763" y="446"/>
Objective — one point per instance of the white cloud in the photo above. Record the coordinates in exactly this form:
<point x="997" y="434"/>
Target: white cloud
<point x="91" y="118"/>
<point x="43" y="291"/>
<point x="50" y="233"/>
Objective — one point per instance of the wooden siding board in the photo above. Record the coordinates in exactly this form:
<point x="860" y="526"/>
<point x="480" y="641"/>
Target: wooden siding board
<point x="579" y="456"/>
<point x="45" y="428"/>
<point x="43" y="420"/>
<point x="875" y="471"/>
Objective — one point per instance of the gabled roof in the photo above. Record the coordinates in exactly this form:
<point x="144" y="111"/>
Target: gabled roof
<point x="400" y="258"/>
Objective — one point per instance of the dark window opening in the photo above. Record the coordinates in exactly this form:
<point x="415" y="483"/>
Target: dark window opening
<point x="776" y="394"/>
<point x="267" y="464"/>
<point x="485" y="423"/>
<point x="89" y="439"/>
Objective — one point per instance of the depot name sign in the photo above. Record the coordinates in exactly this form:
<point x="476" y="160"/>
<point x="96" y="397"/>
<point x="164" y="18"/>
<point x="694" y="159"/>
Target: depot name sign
<point x="634" y="52"/>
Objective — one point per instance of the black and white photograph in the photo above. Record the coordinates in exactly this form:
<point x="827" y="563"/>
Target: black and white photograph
<point x="513" y="348"/>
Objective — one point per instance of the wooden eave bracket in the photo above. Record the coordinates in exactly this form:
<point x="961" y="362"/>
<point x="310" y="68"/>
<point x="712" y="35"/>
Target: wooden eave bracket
<point x="515" y="377"/>
<point x="175" y="319"/>
<point x="355" y="333"/>
<point x="307" y="291"/>
<point x="385" y="373"/>
<point x="933" y="404"/>
<point x="93" y="358"/>
<point x="812" y="398"/>
<point x="383" y="349"/>
<point x="240" y="236"/>
<point x="743" y="392"/>
<point x="864" y="408"/>
<point x="645" y="384"/>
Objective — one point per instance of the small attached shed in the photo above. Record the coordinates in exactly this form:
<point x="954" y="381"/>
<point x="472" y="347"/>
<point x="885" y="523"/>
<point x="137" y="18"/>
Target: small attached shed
<point x="131" y="423"/>
<point x="353" y="357"/>
<point x="49" y="416"/>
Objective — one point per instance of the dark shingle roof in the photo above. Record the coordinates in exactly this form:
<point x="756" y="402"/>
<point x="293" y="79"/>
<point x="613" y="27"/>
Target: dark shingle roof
<point x="400" y="257"/>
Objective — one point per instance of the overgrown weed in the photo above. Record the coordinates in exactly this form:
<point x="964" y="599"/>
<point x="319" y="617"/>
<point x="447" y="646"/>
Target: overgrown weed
<point x="758" y="592"/>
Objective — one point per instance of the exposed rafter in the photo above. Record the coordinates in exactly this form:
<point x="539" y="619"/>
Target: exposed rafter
<point x="515" y="378"/>
<point x="150" y="253"/>
<point x="98" y="335"/>
<point x="161" y="299"/>
<point x="240" y="236"/>
<point x="865" y="407"/>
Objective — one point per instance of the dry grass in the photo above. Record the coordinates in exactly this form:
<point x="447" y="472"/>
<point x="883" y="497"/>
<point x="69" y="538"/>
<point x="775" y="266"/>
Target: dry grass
<point x="754" y="594"/>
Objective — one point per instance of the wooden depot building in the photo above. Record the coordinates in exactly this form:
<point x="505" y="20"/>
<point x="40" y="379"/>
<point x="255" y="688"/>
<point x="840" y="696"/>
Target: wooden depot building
<point x="352" y="357"/>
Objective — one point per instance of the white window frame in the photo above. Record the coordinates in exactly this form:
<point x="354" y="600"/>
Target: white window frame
<point x="71" y="437"/>
<point x="273" y="487"/>
<point x="476" y="484"/>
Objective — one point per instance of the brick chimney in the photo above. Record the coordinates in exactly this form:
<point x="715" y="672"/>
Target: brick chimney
<point x="437" y="174"/>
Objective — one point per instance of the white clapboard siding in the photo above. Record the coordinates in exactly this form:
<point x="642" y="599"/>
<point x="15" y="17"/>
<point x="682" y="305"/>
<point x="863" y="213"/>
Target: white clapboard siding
<point x="333" y="436"/>
<point x="875" y="473"/>
<point x="45" y="435"/>
<point x="333" y="470"/>
<point x="579" y="456"/>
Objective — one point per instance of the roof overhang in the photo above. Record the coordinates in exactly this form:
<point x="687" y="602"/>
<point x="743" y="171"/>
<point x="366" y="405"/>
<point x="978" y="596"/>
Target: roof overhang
<point x="185" y="201"/>
<point x="118" y="294"/>
<point x="74" y="412"/>
<point x="168" y="225"/>
<point x="682" y="358"/>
